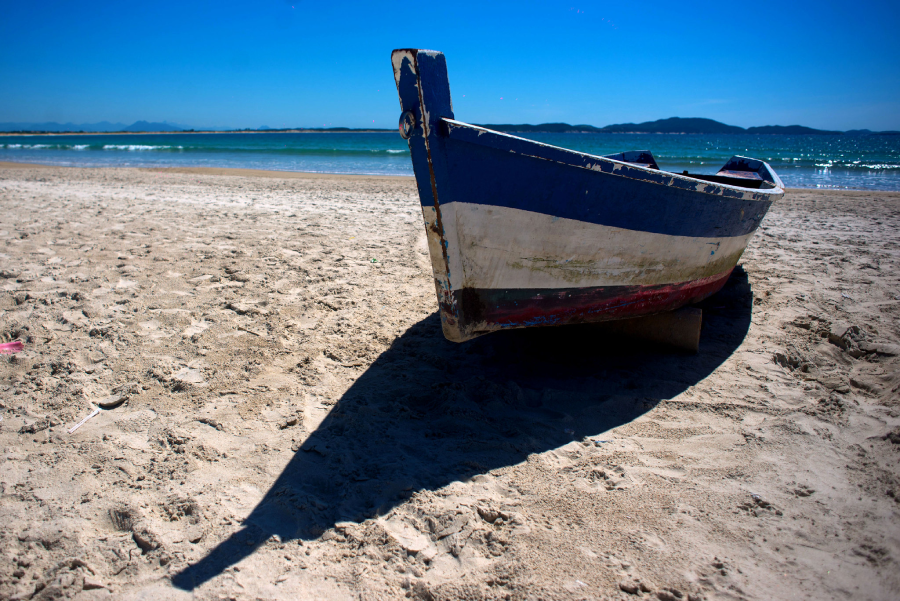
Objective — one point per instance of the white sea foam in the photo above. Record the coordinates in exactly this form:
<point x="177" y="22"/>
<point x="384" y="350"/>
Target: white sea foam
<point x="138" y="147"/>
<point x="87" y="146"/>
<point x="133" y="147"/>
<point x="396" y="151"/>
<point x="858" y="164"/>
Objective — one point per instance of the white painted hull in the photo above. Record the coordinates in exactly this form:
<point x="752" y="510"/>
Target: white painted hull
<point x="505" y="248"/>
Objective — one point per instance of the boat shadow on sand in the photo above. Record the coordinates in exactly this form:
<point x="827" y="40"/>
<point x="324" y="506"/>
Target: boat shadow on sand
<point x="429" y="412"/>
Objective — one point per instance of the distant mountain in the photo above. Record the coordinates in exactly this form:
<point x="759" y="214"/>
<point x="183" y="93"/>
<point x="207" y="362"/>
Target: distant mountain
<point x="675" y="125"/>
<point x="312" y="129"/>
<point x="102" y="127"/>
<point x="52" y="126"/>
<point x="152" y="126"/>
<point x="555" y="128"/>
<point x="792" y="130"/>
<point x="869" y="132"/>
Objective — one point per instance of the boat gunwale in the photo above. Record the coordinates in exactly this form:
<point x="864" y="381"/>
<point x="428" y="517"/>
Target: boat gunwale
<point x="771" y="194"/>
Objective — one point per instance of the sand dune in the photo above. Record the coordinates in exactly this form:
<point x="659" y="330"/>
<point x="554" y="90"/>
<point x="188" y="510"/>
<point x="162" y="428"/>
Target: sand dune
<point x="293" y="424"/>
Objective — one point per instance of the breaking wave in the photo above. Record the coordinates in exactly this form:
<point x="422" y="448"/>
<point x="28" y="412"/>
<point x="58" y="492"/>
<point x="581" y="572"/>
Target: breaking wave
<point x="284" y="150"/>
<point x="138" y="147"/>
<point x="89" y="147"/>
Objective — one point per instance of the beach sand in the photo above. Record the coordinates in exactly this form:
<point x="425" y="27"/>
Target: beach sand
<point x="293" y="425"/>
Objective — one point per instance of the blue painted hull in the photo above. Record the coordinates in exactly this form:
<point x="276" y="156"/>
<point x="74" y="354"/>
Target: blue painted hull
<point x="522" y="233"/>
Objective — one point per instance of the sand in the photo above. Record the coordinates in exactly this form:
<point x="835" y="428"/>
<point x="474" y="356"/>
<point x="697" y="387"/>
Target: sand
<point x="288" y="422"/>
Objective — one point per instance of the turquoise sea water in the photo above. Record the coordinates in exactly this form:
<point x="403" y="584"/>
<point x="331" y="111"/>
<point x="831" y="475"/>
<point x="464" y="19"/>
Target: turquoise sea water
<point x="841" y="162"/>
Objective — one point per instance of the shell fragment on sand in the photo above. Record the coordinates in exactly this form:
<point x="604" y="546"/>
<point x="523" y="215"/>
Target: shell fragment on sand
<point x="8" y="348"/>
<point x="93" y="413"/>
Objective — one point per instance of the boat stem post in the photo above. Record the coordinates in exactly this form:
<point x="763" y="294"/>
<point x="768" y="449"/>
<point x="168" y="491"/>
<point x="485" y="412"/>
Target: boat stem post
<point x="679" y="328"/>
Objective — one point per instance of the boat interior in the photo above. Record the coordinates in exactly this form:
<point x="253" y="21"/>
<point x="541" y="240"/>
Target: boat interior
<point x="750" y="180"/>
<point x="731" y="177"/>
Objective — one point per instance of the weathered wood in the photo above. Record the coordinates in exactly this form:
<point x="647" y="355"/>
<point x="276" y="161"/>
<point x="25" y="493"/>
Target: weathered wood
<point x="525" y="234"/>
<point x="680" y="329"/>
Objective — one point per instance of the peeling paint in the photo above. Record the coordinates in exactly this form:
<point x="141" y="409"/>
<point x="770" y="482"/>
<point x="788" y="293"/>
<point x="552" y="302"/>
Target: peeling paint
<point x="525" y="147"/>
<point x="522" y="233"/>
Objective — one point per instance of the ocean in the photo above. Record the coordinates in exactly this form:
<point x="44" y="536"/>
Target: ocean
<point x="835" y="162"/>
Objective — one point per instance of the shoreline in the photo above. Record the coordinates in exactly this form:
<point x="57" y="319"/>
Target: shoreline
<point x="241" y="172"/>
<point x="166" y="133"/>
<point x="223" y="171"/>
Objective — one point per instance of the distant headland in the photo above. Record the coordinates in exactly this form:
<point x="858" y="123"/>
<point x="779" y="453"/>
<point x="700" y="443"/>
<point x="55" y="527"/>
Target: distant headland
<point x="678" y="125"/>
<point x="148" y="127"/>
<point x="673" y="125"/>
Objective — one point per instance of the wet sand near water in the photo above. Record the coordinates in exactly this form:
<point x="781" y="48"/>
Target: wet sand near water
<point x="286" y="420"/>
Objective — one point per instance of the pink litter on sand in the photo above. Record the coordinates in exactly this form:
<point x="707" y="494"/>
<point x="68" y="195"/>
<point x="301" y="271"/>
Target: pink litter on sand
<point x="8" y="348"/>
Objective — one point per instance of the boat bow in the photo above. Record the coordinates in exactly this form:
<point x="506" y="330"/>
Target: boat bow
<point x="523" y="233"/>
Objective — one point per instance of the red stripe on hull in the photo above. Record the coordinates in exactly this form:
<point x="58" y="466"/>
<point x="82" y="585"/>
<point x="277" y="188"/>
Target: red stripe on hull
<point x="522" y="308"/>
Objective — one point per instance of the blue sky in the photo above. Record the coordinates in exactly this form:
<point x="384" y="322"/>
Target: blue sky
<point x="292" y="63"/>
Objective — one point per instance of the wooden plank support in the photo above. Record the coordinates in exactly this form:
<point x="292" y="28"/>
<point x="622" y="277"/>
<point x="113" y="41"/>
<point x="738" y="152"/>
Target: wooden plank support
<point x="679" y="329"/>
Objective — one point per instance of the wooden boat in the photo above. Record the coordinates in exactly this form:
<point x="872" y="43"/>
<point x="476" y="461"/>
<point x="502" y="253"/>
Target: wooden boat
<point x="526" y="234"/>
